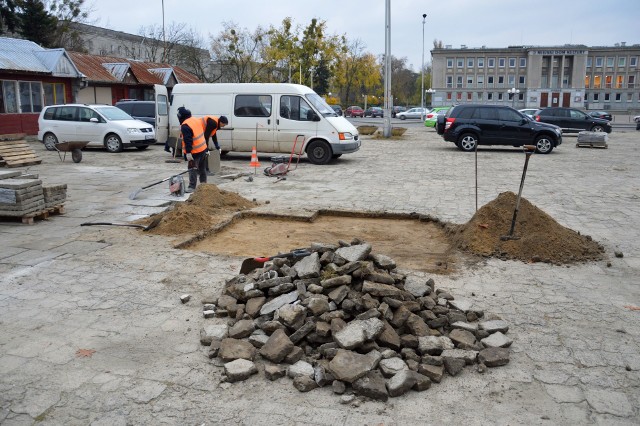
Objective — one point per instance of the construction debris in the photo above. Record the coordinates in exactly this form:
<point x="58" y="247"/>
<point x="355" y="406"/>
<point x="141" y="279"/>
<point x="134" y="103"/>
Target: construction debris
<point x="345" y="317"/>
<point x="592" y="140"/>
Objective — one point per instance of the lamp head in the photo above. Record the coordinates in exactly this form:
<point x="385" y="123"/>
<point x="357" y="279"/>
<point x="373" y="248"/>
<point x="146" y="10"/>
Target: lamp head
<point x="424" y="15"/>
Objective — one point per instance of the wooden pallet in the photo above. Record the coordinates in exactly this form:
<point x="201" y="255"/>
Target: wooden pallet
<point x="17" y="153"/>
<point x="592" y="145"/>
<point x="29" y="218"/>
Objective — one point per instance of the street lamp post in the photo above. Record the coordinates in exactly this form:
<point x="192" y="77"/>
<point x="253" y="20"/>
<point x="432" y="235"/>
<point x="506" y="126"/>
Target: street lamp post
<point x="424" y="17"/>
<point x="513" y="92"/>
<point x="365" y="102"/>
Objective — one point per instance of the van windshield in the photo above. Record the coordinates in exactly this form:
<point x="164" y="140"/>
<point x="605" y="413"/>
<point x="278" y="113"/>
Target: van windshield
<point x="112" y="113"/>
<point x="320" y="105"/>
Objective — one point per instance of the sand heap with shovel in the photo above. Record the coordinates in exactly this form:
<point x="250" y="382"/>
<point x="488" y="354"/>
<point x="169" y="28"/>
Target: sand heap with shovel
<point x="206" y="206"/>
<point x="541" y="238"/>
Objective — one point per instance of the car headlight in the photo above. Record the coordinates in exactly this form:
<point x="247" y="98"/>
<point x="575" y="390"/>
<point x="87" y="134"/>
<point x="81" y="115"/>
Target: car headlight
<point x="133" y="130"/>
<point x="346" y="136"/>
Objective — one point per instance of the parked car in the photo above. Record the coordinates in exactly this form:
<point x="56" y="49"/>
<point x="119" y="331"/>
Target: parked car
<point x="601" y="114"/>
<point x="102" y="125"/>
<point x="432" y="115"/>
<point x="140" y="110"/>
<point x="637" y="120"/>
<point x="337" y="109"/>
<point x="572" y="120"/>
<point x="411" y="113"/>
<point x="396" y="109"/>
<point x="528" y="111"/>
<point x="354" y="111"/>
<point x="470" y="125"/>
<point x="374" y="112"/>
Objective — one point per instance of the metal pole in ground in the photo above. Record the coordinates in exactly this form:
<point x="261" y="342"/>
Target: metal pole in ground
<point x="528" y="150"/>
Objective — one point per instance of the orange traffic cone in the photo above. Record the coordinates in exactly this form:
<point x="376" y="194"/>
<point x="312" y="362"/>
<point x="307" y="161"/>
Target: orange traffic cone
<point x="254" y="158"/>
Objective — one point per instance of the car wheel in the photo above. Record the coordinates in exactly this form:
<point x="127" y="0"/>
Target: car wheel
<point x="142" y="148"/>
<point x="319" y="152"/>
<point x="50" y="141"/>
<point x="113" y="143"/>
<point x="402" y="117"/>
<point x="336" y="156"/>
<point x="544" y="144"/>
<point x="467" y="142"/>
<point x="597" y="128"/>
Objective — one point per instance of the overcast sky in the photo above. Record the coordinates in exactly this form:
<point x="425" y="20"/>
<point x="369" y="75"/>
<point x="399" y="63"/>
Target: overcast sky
<point x="493" y="23"/>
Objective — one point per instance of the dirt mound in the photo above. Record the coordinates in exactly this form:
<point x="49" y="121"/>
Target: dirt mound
<point x="206" y="206"/>
<point x="542" y="239"/>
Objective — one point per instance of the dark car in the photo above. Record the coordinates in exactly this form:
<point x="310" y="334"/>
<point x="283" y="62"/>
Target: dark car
<point x="572" y="120"/>
<point x="337" y="109"/>
<point x="601" y="114"/>
<point x="140" y="110"/>
<point x="397" y="109"/>
<point x="374" y="112"/>
<point x="470" y="125"/>
<point x="354" y="111"/>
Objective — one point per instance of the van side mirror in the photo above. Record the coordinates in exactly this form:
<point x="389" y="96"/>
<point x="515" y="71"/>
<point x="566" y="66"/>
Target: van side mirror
<point x="316" y="117"/>
<point x="93" y="120"/>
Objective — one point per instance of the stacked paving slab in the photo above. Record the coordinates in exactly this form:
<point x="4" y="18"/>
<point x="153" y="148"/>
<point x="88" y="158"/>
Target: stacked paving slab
<point x="23" y="194"/>
<point x="346" y="318"/>
<point x="54" y="195"/>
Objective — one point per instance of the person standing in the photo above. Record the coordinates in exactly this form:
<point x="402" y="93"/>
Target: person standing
<point x="194" y="147"/>
<point x="211" y="125"/>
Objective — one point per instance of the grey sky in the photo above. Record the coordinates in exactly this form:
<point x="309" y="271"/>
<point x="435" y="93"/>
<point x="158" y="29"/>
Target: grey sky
<point x="493" y="23"/>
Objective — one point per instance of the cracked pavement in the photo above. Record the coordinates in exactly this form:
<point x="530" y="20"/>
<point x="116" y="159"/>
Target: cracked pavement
<point x="114" y="290"/>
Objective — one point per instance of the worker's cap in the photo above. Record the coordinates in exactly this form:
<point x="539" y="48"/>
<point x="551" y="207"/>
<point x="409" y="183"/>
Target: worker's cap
<point x="224" y="120"/>
<point x="183" y="113"/>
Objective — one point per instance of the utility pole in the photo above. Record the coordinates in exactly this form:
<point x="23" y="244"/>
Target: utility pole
<point x="388" y="103"/>
<point x="424" y="18"/>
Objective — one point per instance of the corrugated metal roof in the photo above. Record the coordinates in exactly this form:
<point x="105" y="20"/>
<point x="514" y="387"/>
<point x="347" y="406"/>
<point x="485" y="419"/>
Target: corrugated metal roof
<point x="25" y="55"/>
<point x="163" y="73"/>
<point x="119" y="70"/>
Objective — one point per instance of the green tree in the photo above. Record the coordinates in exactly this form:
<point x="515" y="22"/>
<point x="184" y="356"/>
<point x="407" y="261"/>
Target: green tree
<point x="36" y="23"/>
<point x="241" y="53"/>
<point x="68" y="12"/>
<point x="357" y="73"/>
<point x="8" y="18"/>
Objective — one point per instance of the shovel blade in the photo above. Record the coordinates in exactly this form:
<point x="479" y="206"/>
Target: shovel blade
<point x="249" y="265"/>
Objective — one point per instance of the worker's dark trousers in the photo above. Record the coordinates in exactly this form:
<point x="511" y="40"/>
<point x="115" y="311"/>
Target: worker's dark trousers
<point x="199" y="168"/>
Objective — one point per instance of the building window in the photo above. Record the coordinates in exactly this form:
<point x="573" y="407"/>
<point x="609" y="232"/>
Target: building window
<point x="491" y="62"/>
<point x="30" y="96"/>
<point x="610" y="61"/>
<point x="480" y="80"/>
<point x="469" y="96"/>
<point x="523" y="62"/>
<point x="8" y="97"/>
<point x="629" y="97"/>
<point x="448" y="96"/>
<point x="607" y="97"/>
<point x="596" y="82"/>
<point x="622" y="61"/>
<point x="480" y="62"/>
<point x="589" y="62"/>
<point x="459" y="96"/>
<point x="511" y="80"/>
<point x="53" y="93"/>
<point x="500" y="96"/>
<point x="459" y="81"/>
<point x="500" y="80"/>
<point x="460" y="62"/>
<point x="469" y="81"/>
<point x="619" y="81"/>
<point x="599" y="61"/>
<point x="490" y="81"/>
<point x="607" y="81"/>
<point x="479" y="96"/>
<point x="633" y="61"/>
<point x="521" y="80"/>
<point x="489" y="96"/>
<point x="631" y="81"/>
<point x="586" y="97"/>
<point x="596" y="97"/>
<point x="512" y="62"/>
<point x="449" y="62"/>
<point x="449" y="81"/>
<point x="470" y="62"/>
<point x="501" y="62"/>
<point x="587" y="81"/>
<point x="618" y="97"/>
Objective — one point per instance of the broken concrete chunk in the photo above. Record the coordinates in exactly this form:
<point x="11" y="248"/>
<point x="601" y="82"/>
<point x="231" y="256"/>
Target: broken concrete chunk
<point x="357" y="332"/>
<point x="416" y="286"/>
<point x="354" y="253"/>
<point x="372" y="385"/>
<point x="468" y="326"/>
<point x="308" y="267"/>
<point x="464" y="339"/>
<point x="239" y="370"/>
<point x="241" y="329"/>
<point x="213" y="332"/>
<point x="338" y="387"/>
<point x="461" y="304"/>
<point x="303" y="331"/>
<point x="253" y="306"/>
<point x="348" y="366"/>
<point x="494" y="357"/>
<point x="494" y="325"/>
<point x="422" y="382"/>
<point x="497" y="340"/>
<point x="231" y="349"/>
<point x="454" y="365"/>
<point x="336" y="281"/>
<point x="384" y="262"/>
<point x="381" y="290"/>
<point x="277" y="347"/>
<point x="295" y="355"/>
<point x="185" y="298"/>
<point x="291" y="315"/>
<point x="300" y="368"/>
<point x="318" y="305"/>
<point x="322" y="376"/>
<point x="278" y="302"/>
<point x="469" y="357"/>
<point x="304" y="383"/>
<point x="274" y="372"/>
<point x="209" y="314"/>
<point x="273" y="282"/>
<point x="434" y="372"/>
<point x="434" y="345"/>
<point x="417" y="326"/>
<point x="401" y="383"/>
<point x="389" y="367"/>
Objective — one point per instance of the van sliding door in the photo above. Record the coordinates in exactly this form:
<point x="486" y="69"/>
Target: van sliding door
<point x="253" y="123"/>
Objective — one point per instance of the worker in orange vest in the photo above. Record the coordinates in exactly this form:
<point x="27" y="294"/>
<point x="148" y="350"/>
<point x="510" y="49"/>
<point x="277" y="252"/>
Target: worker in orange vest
<point x="194" y="147"/>
<point x="211" y="125"/>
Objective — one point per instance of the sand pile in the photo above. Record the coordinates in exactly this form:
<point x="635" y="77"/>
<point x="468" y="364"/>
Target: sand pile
<point x="542" y="239"/>
<point x="206" y="206"/>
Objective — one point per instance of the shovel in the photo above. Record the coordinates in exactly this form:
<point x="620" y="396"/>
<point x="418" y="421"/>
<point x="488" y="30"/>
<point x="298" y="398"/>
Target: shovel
<point x="135" y="193"/>
<point x="252" y="263"/>
<point x="152" y="225"/>
<point x="528" y="150"/>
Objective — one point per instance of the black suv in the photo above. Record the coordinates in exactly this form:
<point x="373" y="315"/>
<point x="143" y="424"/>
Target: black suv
<point x="470" y="125"/>
<point x="572" y="120"/>
<point x="140" y="110"/>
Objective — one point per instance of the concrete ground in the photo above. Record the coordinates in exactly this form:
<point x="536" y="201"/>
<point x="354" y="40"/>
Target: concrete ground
<point x="92" y="330"/>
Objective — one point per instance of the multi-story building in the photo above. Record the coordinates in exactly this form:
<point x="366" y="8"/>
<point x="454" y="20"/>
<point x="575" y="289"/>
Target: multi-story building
<point x="531" y="77"/>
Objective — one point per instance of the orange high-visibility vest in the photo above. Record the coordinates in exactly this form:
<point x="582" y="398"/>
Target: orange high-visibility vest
<point x="198" y="144"/>
<point x="204" y="124"/>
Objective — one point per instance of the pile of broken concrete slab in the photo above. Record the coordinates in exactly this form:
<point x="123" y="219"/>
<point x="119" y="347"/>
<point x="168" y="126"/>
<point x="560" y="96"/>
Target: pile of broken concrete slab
<point x="344" y="317"/>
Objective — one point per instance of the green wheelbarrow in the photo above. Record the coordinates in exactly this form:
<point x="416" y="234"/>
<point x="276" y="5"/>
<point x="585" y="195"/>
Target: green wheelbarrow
<point x="75" y="148"/>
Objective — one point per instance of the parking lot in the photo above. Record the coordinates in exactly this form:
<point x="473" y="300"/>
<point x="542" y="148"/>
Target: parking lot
<point x="92" y="330"/>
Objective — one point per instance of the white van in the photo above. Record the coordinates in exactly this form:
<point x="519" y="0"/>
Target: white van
<point x="268" y="116"/>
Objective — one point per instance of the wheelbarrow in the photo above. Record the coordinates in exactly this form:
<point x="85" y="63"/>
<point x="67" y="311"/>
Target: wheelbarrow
<point x="75" y="148"/>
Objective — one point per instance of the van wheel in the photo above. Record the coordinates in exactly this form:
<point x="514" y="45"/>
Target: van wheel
<point x="319" y="152"/>
<point x="544" y="144"/>
<point x="467" y="142"/>
<point x="50" y="141"/>
<point x="113" y="143"/>
<point x="336" y="156"/>
<point x="142" y="148"/>
<point x="223" y="153"/>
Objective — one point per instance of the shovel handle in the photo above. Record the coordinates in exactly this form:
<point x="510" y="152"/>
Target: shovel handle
<point x="294" y="253"/>
<point x="529" y="147"/>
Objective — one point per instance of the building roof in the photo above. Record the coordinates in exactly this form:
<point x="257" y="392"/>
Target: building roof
<point x="26" y="56"/>
<point x="109" y="69"/>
